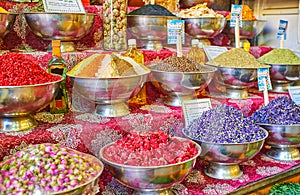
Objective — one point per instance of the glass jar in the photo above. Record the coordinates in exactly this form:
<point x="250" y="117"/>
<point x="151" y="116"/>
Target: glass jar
<point x="114" y="25"/>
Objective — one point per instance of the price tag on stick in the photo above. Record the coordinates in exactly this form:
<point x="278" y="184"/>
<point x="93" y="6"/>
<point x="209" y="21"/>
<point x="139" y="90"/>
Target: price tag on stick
<point x="264" y="82"/>
<point x="281" y="34"/>
<point x="235" y="21"/>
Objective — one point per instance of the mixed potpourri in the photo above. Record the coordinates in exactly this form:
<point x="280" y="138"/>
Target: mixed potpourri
<point x="18" y="70"/>
<point x="224" y="125"/>
<point x="46" y="168"/>
<point x="149" y="149"/>
<point x="280" y="111"/>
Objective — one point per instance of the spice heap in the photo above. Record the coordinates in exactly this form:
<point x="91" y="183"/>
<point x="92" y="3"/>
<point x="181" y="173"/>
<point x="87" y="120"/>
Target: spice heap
<point x="286" y="188"/>
<point x="247" y="13"/>
<point x="180" y="64"/>
<point x="198" y="11"/>
<point x="236" y="58"/>
<point x="18" y="70"/>
<point x="44" y="169"/>
<point x="107" y="66"/>
<point x="152" y="10"/>
<point x="280" y="56"/>
<point x="39" y="7"/>
<point x="280" y="111"/>
<point x="2" y="10"/>
<point x="224" y="125"/>
<point x="149" y="149"/>
<point x="171" y="5"/>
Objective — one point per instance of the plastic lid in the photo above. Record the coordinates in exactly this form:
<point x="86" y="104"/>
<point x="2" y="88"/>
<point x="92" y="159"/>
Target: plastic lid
<point x="195" y="41"/>
<point x="131" y="42"/>
<point x="200" y="45"/>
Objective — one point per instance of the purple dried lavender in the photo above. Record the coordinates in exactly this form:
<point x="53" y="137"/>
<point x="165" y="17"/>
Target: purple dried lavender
<point x="224" y="124"/>
<point x="280" y="111"/>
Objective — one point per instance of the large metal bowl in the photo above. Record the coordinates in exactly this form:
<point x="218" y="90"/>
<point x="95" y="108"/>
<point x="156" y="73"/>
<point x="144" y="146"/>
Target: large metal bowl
<point x="283" y="75"/>
<point x="89" y="187"/>
<point x="224" y="159"/>
<point x="284" y="141"/>
<point x="206" y="27"/>
<point x="109" y="94"/>
<point x="249" y="29"/>
<point x="152" y="30"/>
<point x="180" y="86"/>
<point x="237" y="81"/>
<point x="151" y="179"/>
<point x="18" y="103"/>
<point x="66" y="27"/>
<point x="7" y="21"/>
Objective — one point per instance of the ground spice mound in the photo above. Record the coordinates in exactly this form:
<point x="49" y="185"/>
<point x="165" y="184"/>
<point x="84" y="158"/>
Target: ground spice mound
<point x="236" y="58"/>
<point x="152" y="10"/>
<point x="280" y="56"/>
<point x="180" y="64"/>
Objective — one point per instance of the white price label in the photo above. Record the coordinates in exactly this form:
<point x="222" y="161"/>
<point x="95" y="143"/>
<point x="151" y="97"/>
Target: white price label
<point x="294" y="92"/>
<point x="213" y="51"/>
<point x="64" y="6"/>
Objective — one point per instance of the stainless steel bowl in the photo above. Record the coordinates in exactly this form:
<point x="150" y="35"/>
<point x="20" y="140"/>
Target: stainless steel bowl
<point x="151" y="179"/>
<point x="18" y="103"/>
<point x="224" y="159"/>
<point x="152" y="30"/>
<point x="237" y="81"/>
<point x="109" y="94"/>
<point x="180" y="86"/>
<point x="284" y="141"/>
<point x="206" y="27"/>
<point x="89" y="187"/>
<point x="7" y="21"/>
<point x="283" y="75"/>
<point x="249" y="29"/>
<point x="66" y="27"/>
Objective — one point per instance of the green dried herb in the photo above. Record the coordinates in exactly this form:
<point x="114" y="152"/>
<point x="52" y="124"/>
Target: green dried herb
<point x="280" y="56"/>
<point x="287" y="188"/>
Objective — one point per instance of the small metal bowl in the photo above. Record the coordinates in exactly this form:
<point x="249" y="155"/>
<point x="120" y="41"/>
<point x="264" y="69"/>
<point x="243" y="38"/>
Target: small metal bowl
<point x="66" y="27"/>
<point x="18" y="103"/>
<point x="149" y="29"/>
<point x="224" y="159"/>
<point x="249" y="29"/>
<point x="151" y="179"/>
<point x="7" y="21"/>
<point x="180" y="86"/>
<point x="284" y="141"/>
<point x="284" y="75"/>
<point x="205" y="27"/>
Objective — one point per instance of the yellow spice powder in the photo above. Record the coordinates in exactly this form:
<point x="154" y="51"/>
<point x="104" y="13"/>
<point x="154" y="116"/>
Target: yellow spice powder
<point x="2" y="10"/>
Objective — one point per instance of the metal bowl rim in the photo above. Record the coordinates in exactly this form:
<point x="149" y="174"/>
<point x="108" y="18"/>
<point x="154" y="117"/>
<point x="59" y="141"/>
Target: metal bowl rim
<point x="172" y="72"/>
<point x="228" y="144"/>
<point x="57" y="13"/>
<point x="282" y="64"/>
<point x="3" y="13"/>
<point x="110" y="78"/>
<point x="228" y="20"/>
<point x="248" y="68"/>
<point x="152" y="16"/>
<point x="152" y="167"/>
<point x="275" y="125"/>
<point x="201" y="18"/>
<point x="34" y="85"/>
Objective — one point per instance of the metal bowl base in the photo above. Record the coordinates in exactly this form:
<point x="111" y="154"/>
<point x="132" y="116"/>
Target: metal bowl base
<point x="114" y="109"/>
<point x="280" y="87"/>
<point x="19" y="123"/>
<point x="284" y="154"/>
<point x="156" y="192"/>
<point x="237" y="93"/>
<point x="223" y="171"/>
<point x="154" y="45"/>
<point x="66" y="46"/>
<point x="175" y="100"/>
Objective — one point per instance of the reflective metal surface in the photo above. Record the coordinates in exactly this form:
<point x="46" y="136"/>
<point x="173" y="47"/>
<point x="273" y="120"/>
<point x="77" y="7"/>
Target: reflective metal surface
<point x="237" y="81"/>
<point x="283" y="76"/>
<point x="109" y="94"/>
<point x="249" y="29"/>
<point x="152" y="30"/>
<point x="224" y="159"/>
<point x="7" y="21"/>
<point x="204" y="27"/>
<point x="153" y="179"/>
<point x="17" y="103"/>
<point x="284" y="141"/>
<point x="180" y="86"/>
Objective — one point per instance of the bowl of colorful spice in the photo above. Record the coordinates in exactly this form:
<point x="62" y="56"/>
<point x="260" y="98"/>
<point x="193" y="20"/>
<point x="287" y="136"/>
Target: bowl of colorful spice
<point x="149" y="25"/>
<point x="227" y="138"/>
<point x="180" y="78"/>
<point x="285" y="68"/>
<point x="50" y="169"/>
<point x="281" y="117"/>
<point x="237" y="71"/>
<point x="150" y="162"/>
<point x="25" y="88"/>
